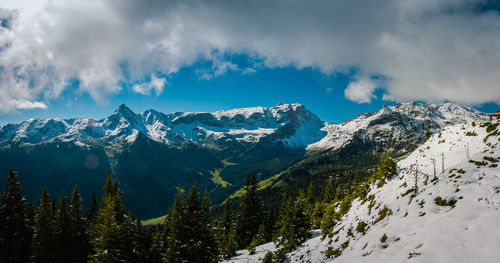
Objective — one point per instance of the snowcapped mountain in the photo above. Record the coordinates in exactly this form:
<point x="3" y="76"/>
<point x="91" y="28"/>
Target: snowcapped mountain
<point x="452" y="217"/>
<point x="290" y="124"/>
<point x="395" y="127"/>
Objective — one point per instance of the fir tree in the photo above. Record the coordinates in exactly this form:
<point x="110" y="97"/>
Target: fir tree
<point x="330" y="192"/>
<point x="231" y="245"/>
<point x="198" y="247"/>
<point x="226" y="232"/>
<point x="43" y="241"/>
<point x="142" y="243"/>
<point x="227" y="217"/>
<point x="328" y="220"/>
<point x="209" y="243"/>
<point x="176" y="231"/>
<point x="63" y="236"/>
<point x="158" y="246"/>
<point x="294" y="223"/>
<point x="251" y="212"/>
<point x="14" y="231"/>
<point x="79" y="237"/>
<point x="386" y="169"/>
<point x="93" y="209"/>
<point x="107" y="232"/>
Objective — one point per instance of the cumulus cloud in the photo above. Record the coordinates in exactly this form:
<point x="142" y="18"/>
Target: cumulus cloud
<point x="360" y="91"/>
<point x="26" y="104"/>
<point x="156" y="84"/>
<point x="427" y="49"/>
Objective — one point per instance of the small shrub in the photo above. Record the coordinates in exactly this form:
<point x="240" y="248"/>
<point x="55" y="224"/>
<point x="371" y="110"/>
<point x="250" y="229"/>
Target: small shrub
<point x="490" y="159"/>
<point x="411" y="190"/>
<point x="461" y="171"/>
<point x="473" y="133"/>
<point x="443" y="202"/>
<point x="473" y="124"/>
<point x="361" y="228"/>
<point x="280" y="256"/>
<point x="491" y="127"/>
<point x="382" y="214"/>
<point x="478" y="163"/>
<point x="349" y="232"/>
<point x="268" y="258"/>
<point x="370" y="206"/>
<point x="383" y="239"/>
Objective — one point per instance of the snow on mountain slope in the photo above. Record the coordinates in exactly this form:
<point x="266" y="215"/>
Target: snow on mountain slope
<point x="291" y="124"/>
<point x="395" y="127"/>
<point x="402" y="228"/>
<point x="399" y="122"/>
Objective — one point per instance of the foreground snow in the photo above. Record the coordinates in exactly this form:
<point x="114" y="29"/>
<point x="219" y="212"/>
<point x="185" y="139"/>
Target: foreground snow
<point x="417" y="229"/>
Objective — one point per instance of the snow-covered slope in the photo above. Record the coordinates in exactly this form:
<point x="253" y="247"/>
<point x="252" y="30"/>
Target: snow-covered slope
<point x="400" y="123"/>
<point x="417" y="229"/>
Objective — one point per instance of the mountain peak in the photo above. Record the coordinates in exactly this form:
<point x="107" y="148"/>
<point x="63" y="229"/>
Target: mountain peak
<point x="123" y="109"/>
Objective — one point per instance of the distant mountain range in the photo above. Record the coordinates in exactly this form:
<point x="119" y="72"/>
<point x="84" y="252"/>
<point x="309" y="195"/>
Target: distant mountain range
<point x="152" y="153"/>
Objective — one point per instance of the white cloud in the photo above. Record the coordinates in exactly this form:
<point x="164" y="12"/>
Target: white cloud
<point x="248" y="71"/>
<point x="28" y="105"/>
<point x="427" y="49"/>
<point x="360" y="91"/>
<point x="156" y="84"/>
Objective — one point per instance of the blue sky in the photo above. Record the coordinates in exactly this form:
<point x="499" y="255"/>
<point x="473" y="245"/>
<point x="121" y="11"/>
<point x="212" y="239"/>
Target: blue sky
<point x="77" y="58"/>
<point x="187" y="91"/>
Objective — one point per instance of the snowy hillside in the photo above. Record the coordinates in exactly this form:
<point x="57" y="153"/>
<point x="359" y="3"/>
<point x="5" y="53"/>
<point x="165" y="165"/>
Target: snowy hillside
<point x="400" y="122"/>
<point x="452" y="218"/>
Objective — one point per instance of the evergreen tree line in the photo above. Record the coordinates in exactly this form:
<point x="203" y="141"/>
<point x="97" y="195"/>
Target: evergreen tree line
<point x="61" y="231"/>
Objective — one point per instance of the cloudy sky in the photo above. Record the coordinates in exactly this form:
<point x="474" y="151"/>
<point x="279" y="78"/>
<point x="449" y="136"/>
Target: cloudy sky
<point x="84" y="57"/>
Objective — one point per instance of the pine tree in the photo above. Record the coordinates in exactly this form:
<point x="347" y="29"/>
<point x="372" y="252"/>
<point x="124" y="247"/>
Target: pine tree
<point x="257" y="240"/>
<point x="209" y="243"/>
<point x="93" y="209"/>
<point x="231" y="245"/>
<point x="328" y="220"/>
<point x="338" y="194"/>
<point x="14" y="231"/>
<point x="176" y="232"/>
<point x="317" y="214"/>
<point x="107" y="230"/>
<point x="251" y="213"/>
<point x="142" y="243"/>
<point x="197" y="247"/>
<point x="158" y="245"/>
<point x="43" y="241"/>
<point x="79" y="237"/>
<point x="330" y="192"/>
<point x="311" y="193"/>
<point x="294" y="222"/>
<point x="386" y="168"/>
<point x="226" y="232"/>
<point x="227" y="217"/>
<point x="62" y="234"/>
